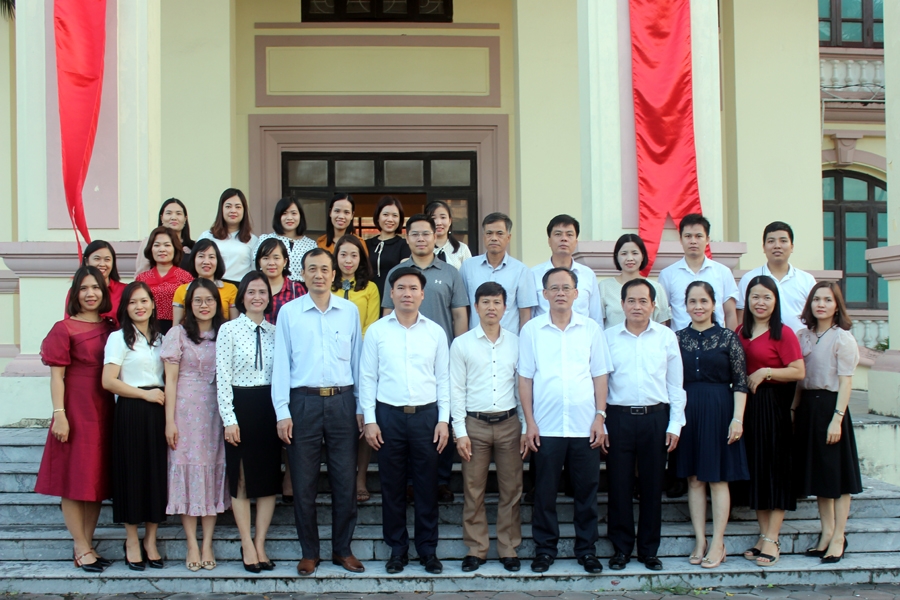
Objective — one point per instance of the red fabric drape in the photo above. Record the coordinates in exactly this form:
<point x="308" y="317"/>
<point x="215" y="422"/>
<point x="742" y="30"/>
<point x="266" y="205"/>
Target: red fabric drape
<point x="663" y="116"/>
<point x="80" y="27"/>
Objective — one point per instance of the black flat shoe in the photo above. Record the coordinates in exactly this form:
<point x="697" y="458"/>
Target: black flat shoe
<point x="395" y="564"/>
<point x="432" y="564"/>
<point x="471" y="563"/>
<point x="590" y="563"/>
<point x="651" y="562"/>
<point x="254" y="568"/>
<point x="541" y="563"/>
<point x="134" y="566"/>
<point x="511" y="563"/>
<point x="618" y="561"/>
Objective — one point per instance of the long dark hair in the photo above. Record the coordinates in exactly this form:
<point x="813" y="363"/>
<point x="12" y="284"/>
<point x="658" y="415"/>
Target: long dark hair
<point x="200" y="246"/>
<point x="329" y="226"/>
<point x="73" y="306"/>
<point x="129" y="331"/>
<point x="186" y="240"/>
<point x="281" y="208"/>
<point x="363" y="270"/>
<point x="775" y="320"/>
<point x="841" y="318"/>
<point x="191" y="327"/>
<point x="219" y="229"/>
<point x="267" y="247"/>
<point x="176" y="245"/>
<point x="433" y="206"/>
<point x="98" y="245"/>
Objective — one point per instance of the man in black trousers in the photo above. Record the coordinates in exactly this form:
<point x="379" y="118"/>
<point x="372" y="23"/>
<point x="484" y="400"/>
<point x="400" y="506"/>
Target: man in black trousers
<point x="645" y="415"/>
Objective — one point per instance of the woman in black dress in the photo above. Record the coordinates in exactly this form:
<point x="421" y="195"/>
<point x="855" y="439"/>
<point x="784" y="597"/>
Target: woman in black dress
<point x="825" y="457"/>
<point x="710" y="450"/>
<point x="386" y="250"/>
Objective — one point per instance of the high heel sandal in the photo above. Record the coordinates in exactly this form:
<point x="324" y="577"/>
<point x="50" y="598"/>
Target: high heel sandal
<point x="709" y="564"/>
<point x="835" y="559"/>
<point x="254" y="568"/>
<point x="770" y="560"/>
<point x="696" y="560"/>
<point x="134" y="566"/>
<point x="93" y="567"/>
<point x="752" y="552"/>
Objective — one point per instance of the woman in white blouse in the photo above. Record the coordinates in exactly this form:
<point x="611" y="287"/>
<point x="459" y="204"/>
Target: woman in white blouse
<point x="630" y="258"/>
<point x="245" y="350"/>
<point x="232" y="233"/>
<point x="133" y="370"/>
<point x="289" y="226"/>
<point x="446" y="246"/>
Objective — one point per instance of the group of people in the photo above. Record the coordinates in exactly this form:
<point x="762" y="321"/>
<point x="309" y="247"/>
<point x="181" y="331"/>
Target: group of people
<point x="183" y="392"/>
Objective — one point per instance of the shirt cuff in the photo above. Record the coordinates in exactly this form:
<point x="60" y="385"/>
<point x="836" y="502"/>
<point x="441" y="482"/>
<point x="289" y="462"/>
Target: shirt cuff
<point x="369" y="415"/>
<point x="283" y="412"/>
<point x="459" y="428"/>
<point x="231" y="420"/>
<point x="444" y="413"/>
<point x="674" y="428"/>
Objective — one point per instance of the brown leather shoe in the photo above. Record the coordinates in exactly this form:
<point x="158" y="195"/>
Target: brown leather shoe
<point x="307" y="566"/>
<point x="350" y="563"/>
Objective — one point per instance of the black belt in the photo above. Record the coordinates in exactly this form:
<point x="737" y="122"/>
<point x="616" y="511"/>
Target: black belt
<point x="324" y="391"/>
<point x="637" y="410"/>
<point x="492" y="417"/>
<point x="410" y="410"/>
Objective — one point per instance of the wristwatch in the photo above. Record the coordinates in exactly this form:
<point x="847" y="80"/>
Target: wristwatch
<point x="602" y="413"/>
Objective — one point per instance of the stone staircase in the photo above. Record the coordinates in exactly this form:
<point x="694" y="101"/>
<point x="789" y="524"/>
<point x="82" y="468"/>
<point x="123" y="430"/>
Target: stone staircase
<point x="35" y="550"/>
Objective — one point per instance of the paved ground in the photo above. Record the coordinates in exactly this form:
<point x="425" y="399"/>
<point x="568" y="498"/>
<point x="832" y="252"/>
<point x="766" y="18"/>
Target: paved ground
<point x="882" y="591"/>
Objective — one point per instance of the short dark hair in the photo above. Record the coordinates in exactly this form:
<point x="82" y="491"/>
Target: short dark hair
<point x="694" y="219"/>
<point x="496" y="217"/>
<point x="841" y="318"/>
<point x="419" y="217"/>
<point x="555" y="270"/>
<point x="403" y="272"/>
<point x="778" y="226"/>
<point x="775" y="325"/>
<point x="281" y="208"/>
<point x="129" y="333"/>
<point x="73" y="305"/>
<point x="329" y="226"/>
<point x="384" y="203"/>
<point x="563" y="220"/>
<point x="186" y="240"/>
<point x="363" y="272"/>
<point x="634" y="239"/>
<point x="490" y="288"/>
<point x="191" y="328"/>
<point x="249" y="278"/>
<point x="99" y="245"/>
<point x="636" y="282"/>
<point x="219" y="229"/>
<point x="200" y="246"/>
<point x="176" y="245"/>
<point x="319" y="252"/>
<point x="267" y="247"/>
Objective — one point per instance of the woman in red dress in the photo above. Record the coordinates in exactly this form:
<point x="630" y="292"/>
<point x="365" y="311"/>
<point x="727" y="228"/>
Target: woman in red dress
<point x="76" y="461"/>
<point x="101" y="254"/>
<point x="164" y="252"/>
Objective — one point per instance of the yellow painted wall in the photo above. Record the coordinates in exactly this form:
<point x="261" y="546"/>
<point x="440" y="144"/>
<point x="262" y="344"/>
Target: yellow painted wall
<point x="8" y="215"/>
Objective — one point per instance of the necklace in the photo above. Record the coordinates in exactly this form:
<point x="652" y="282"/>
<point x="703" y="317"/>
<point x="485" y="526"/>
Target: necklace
<point x="819" y="336"/>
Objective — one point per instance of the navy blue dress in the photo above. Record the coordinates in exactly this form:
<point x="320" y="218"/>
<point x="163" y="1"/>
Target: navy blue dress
<point x="714" y="368"/>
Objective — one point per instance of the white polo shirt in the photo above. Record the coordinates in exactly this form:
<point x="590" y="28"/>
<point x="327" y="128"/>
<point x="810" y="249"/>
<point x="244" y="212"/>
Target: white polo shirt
<point x="793" y="290"/>
<point x="676" y="277"/>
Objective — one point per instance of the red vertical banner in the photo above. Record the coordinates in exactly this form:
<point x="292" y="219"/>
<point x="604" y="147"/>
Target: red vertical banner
<point x="663" y="116"/>
<point x="80" y="28"/>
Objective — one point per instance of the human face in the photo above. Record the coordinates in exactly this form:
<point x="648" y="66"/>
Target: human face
<point x="389" y="219"/>
<point x="762" y="302"/>
<point x="496" y="238"/>
<point x="103" y="260"/>
<point x="778" y="247"/>
<point x="89" y="294"/>
<point x="173" y="217"/>
<point x="163" y="250"/>
<point x="407" y="294"/>
<point x="341" y="215"/>
<point x="630" y="258"/>
<point x="206" y="262"/>
<point x="700" y="306"/>
<point x="638" y="306"/>
<point x="233" y="212"/>
<point x="348" y="260"/>
<point x="442" y="221"/>
<point x="563" y="240"/>
<point x="490" y="310"/>
<point x="203" y="305"/>
<point x="140" y="306"/>
<point x="256" y="298"/>
<point x="420" y="238"/>
<point x="318" y="274"/>
<point x="694" y="241"/>
<point x="272" y="264"/>
<point x="290" y="220"/>
<point x="824" y="306"/>
<point x="560" y="291"/>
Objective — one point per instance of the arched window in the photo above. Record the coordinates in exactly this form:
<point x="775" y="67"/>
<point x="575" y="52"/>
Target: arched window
<point x="854" y="209"/>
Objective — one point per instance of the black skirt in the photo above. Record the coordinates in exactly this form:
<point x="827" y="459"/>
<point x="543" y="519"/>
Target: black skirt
<point x="139" y="458"/>
<point x="824" y="470"/>
<point x="259" y="449"/>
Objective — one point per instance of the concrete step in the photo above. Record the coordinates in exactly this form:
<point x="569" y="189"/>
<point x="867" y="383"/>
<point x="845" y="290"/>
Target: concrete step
<point x="229" y="577"/>
<point x="54" y="543"/>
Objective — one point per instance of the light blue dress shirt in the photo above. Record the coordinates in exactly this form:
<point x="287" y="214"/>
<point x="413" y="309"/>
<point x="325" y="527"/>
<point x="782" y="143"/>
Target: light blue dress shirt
<point x="515" y="278"/>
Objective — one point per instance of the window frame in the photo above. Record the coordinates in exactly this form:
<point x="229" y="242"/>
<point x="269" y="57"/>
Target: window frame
<point x="868" y="26"/>
<point x="377" y="15"/>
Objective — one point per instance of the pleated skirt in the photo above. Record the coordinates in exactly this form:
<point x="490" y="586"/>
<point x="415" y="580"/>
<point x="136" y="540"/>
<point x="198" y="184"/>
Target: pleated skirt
<point x="260" y="447"/>
<point x="820" y="469"/>
<point x="139" y="457"/>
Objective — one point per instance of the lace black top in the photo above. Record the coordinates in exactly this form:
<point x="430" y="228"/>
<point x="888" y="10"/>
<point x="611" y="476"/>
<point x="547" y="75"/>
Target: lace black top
<point x="713" y="356"/>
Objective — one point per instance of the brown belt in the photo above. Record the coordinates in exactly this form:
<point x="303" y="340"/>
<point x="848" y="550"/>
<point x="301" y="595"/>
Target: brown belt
<point x="492" y="417"/>
<point x="410" y="410"/>
<point x="324" y="391"/>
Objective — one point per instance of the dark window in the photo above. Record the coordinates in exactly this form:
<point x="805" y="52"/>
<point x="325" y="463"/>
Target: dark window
<point x="440" y="11"/>
<point x="851" y="23"/>
<point x="855" y="219"/>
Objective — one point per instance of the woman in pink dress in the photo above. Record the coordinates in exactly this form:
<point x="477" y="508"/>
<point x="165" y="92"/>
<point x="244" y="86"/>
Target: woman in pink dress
<point x="76" y="461"/>
<point x="194" y="429"/>
<point x="164" y="277"/>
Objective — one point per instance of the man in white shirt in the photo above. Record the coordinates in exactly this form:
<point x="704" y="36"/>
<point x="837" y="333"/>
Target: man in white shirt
<point x="695" y="266"/>
<point x="405" y="399"/>
<point x="498" y="266"/>
<point x="793" y="284"/>
<point x="563" y="366"/>
<point x="562" y="237"/>
<point x="487" y="419"/>
<point x="317" y="347"/>
<point x="646" y="413"/>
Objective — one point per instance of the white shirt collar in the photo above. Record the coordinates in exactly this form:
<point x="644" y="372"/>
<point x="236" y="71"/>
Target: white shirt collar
<point x="393" y="316"/>
<point x="479" y="333"/>
<point x="684" y="265"/>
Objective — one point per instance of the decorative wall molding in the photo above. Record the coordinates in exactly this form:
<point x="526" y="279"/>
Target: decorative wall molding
<point x="599" y="255"/>
<point x="58" y="259"/>
<point x="9" y="284"/>
<point x="8" y="350"/>
<point x="885" y="261"/>
<point x="861" y="157"/>
<point x="26" y="365"/>
<point x="376" y="25"/>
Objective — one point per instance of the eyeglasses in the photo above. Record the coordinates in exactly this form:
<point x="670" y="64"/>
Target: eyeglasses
<point x="204" y="301"/>
<point x="565" y="289"/>
<point x="419" y="234"/>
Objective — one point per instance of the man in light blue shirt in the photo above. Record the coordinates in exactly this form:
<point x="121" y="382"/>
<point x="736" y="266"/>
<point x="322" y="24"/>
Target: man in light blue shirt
<point x="318" y="342"/>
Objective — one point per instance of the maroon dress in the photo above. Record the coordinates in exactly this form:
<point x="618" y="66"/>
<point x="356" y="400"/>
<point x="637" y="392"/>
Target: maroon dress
<point x="79" y="469"/>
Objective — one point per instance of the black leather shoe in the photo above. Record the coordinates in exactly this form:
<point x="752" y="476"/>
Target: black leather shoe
<point x="618" y="561"/>
<point x="511" y="563"/>
<point x="651" y="562"/>
<point x="153" y="563"/>
<point x="541" y="563"/>
<point x="431" y="564"/>
<point x="134" y="566"/>
<point x="471" y="563"/>
<point x="396" y="563"/>
<point x="590" y="563"/>
<point x="104" y="562"/>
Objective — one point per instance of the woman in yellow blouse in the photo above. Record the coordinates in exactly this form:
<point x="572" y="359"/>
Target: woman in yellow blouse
<point x="206" y="263"/>
<point x="355" y="284"/>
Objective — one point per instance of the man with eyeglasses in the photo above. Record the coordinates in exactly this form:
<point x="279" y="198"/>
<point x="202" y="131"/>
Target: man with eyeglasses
<point x="563" y="366"/>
